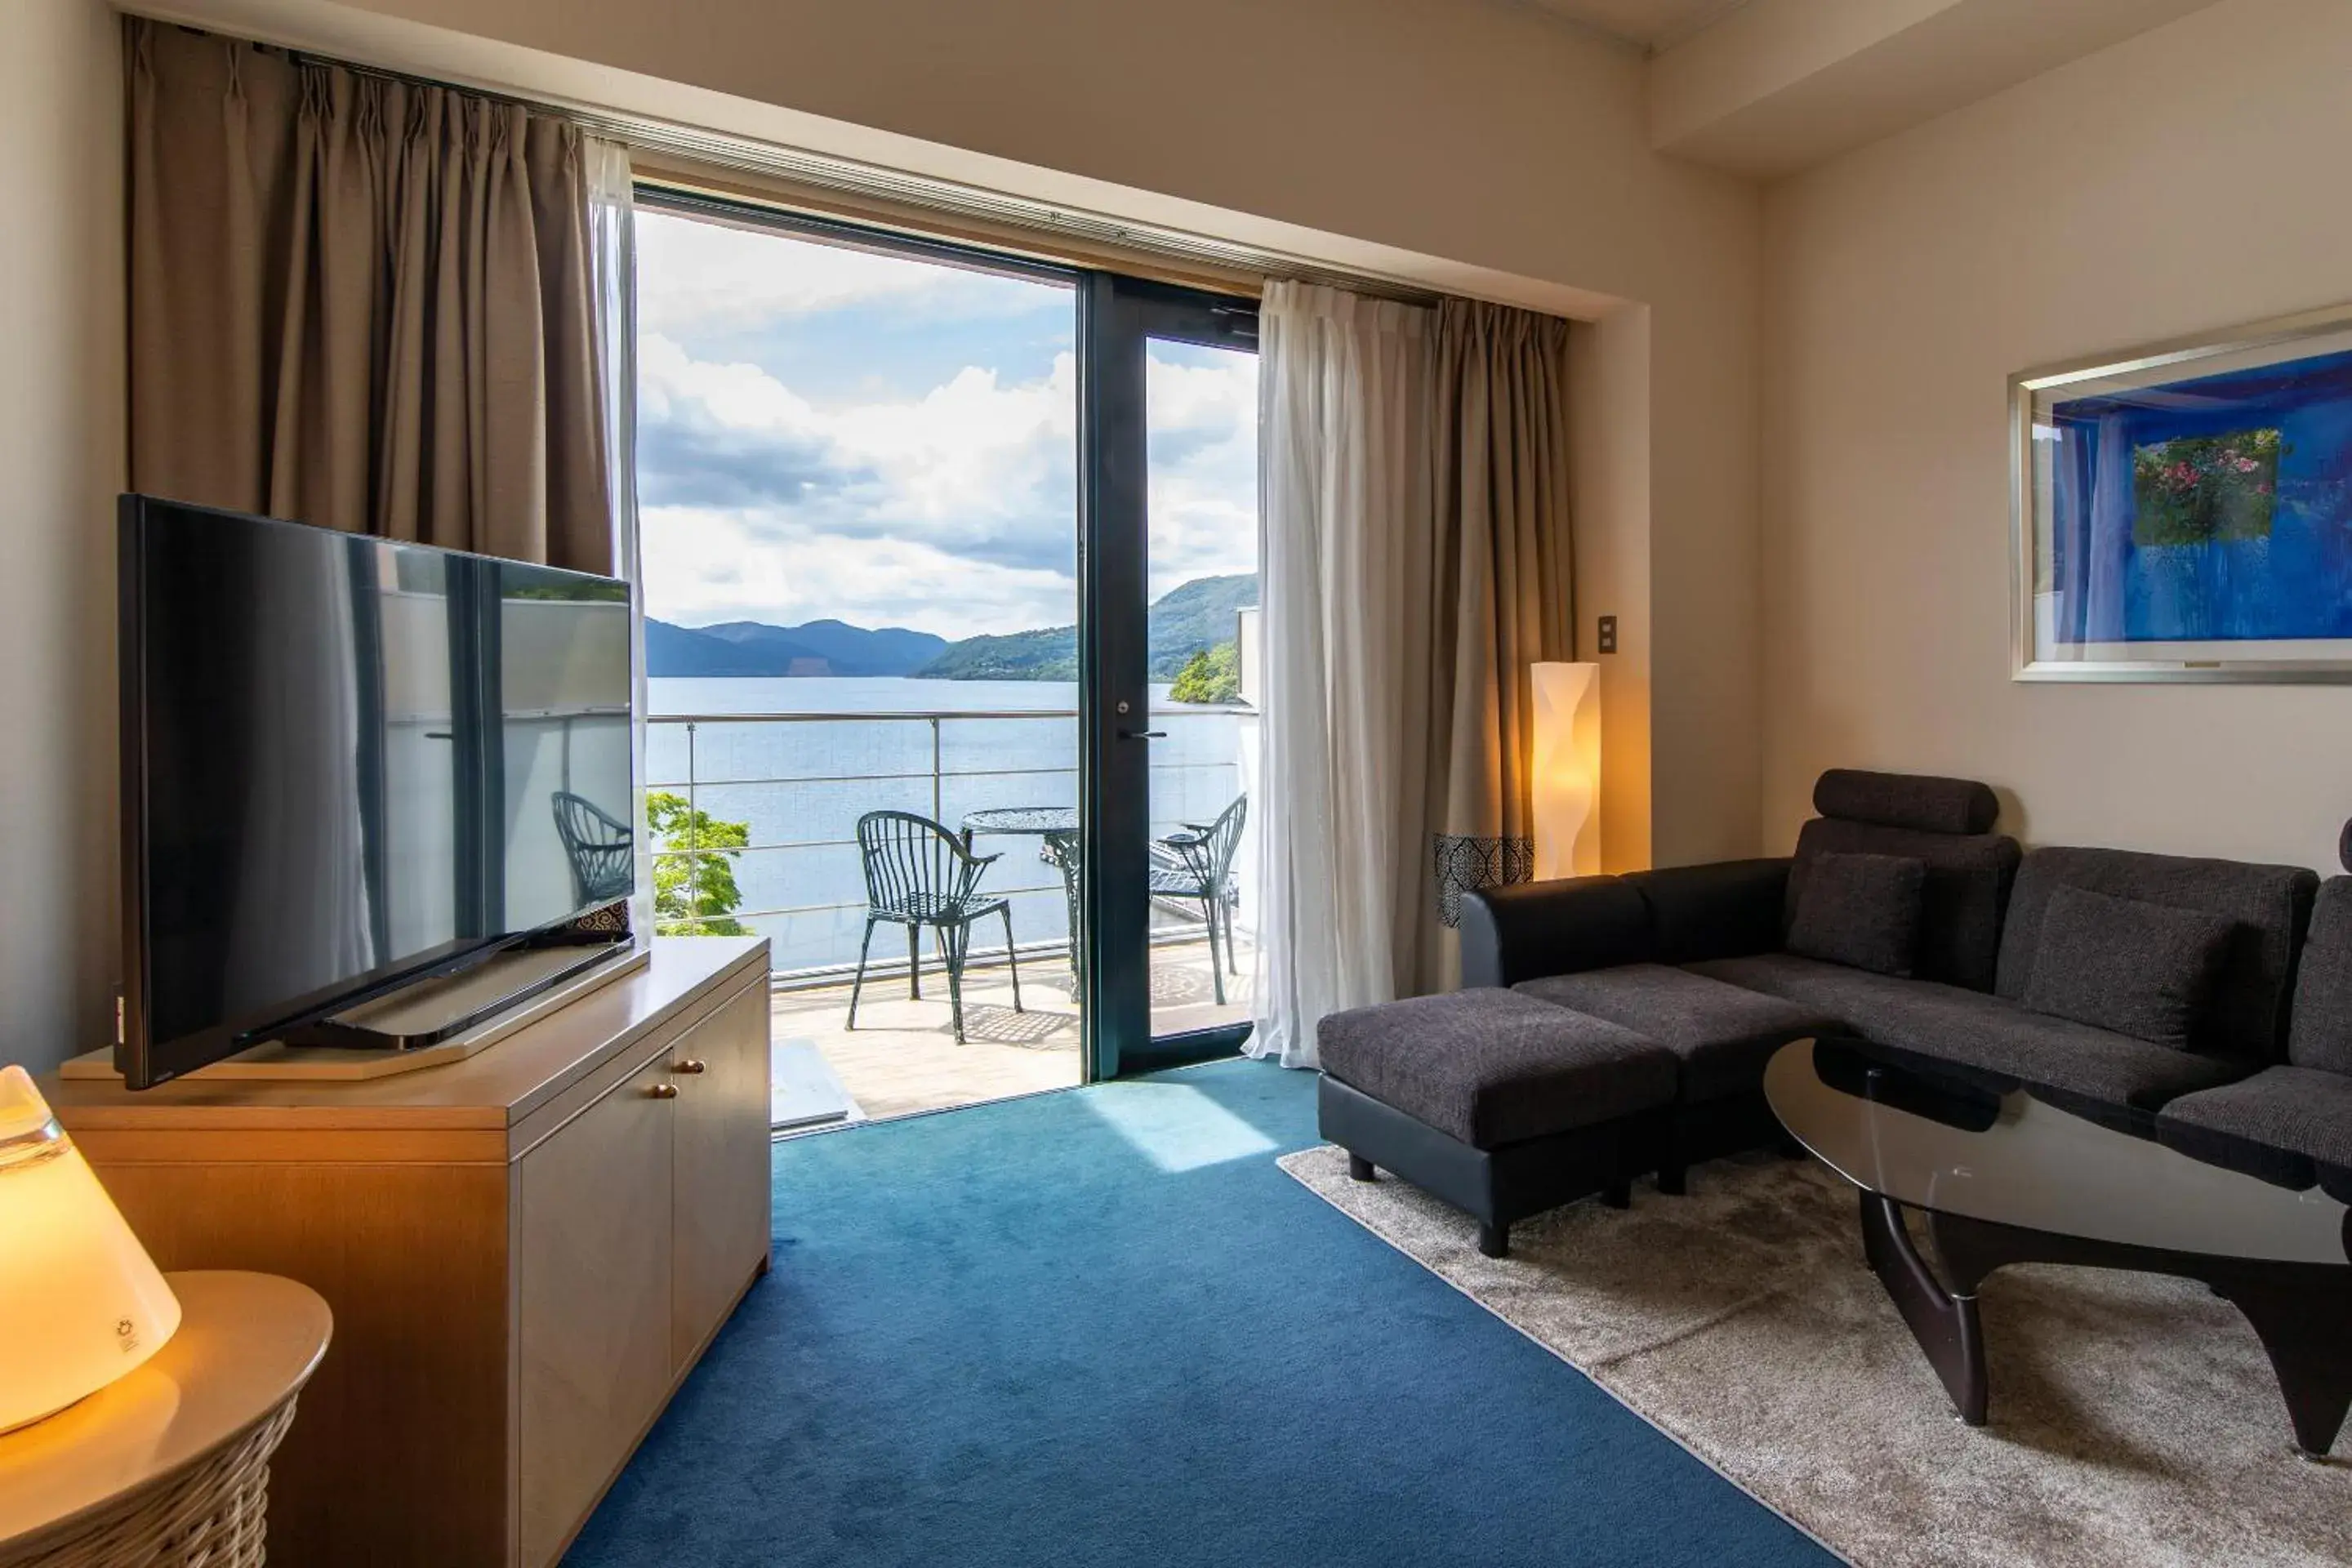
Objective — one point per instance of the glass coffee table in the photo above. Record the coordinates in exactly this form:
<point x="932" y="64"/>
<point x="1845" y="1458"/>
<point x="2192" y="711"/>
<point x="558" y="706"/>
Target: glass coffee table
<point x="2003" y="1178"/>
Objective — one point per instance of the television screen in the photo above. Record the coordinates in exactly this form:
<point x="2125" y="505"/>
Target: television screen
<point x="347" y="761"/>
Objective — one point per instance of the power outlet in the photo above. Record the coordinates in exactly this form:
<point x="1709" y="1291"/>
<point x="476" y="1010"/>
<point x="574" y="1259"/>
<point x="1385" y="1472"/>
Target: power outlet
<point x="1608" y="641"/>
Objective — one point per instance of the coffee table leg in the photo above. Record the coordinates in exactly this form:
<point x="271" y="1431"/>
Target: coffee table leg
<point x="1946" y="1325"/>
<point x="2304" y="1331"/>
<point x="2298" y="1311"/>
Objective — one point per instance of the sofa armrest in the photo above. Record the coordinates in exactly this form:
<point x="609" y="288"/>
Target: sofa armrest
<point x="1529" y="929"/>
<point x="1728" y="909"/>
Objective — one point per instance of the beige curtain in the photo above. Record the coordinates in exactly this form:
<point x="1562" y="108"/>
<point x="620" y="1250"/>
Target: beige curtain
<point x="1415" y="560"/>
<point x="1504" y="594"/>
<point x="361" y="303"/>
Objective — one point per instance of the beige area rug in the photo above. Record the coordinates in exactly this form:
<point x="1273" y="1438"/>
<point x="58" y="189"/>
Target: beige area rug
<point x="2134" y="1419"/>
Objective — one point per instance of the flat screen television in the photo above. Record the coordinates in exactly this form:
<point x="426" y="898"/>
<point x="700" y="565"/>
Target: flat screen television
<point x="349" y="765"/>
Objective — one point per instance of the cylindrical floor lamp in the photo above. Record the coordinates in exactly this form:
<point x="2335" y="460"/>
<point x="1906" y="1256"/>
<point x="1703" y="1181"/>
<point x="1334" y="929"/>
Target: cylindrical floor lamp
<point x="1566" y="775"/>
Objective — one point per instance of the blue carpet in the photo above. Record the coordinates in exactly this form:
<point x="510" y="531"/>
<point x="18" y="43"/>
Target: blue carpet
<point x="1100" y="1326"/>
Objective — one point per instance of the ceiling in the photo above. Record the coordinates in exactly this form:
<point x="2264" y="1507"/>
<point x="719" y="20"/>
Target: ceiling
<point x="1647" y="25"/>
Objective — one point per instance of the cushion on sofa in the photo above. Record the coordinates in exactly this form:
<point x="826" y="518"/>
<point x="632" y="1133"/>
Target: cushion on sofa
<point x="2140" y="969"/>
<point x="1960" y="898"/>
<point x="2289" y="1125"/>
<point x="1917" y="801"/>
<point x="1723" y="1033"/>
<point x="2320" y="1032"/>
<point x="1492" y="1068"/>
<point x="2082" y="1069"/>
<point x="1859" y="909"/>
<point x="2271" y="904"/>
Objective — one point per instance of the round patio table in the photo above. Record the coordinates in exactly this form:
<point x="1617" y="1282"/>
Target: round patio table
<point x="1042" y="820"/>
<point x="1057" y="825"/>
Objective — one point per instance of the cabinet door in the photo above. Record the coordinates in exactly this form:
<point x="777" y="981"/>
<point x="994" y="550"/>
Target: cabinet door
<point x="592" y="1256"/>
<point x="720" y="1194"/>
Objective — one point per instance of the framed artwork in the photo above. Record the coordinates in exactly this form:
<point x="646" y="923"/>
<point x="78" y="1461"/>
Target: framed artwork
<point x="2185" y="513"/>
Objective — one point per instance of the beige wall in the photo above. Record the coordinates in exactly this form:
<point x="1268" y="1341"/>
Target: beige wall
<point x="60" y="465"/>
<point x="2186" y="180"/>
<point x="1471" y="144"/>
<point x="1609" y="403"/>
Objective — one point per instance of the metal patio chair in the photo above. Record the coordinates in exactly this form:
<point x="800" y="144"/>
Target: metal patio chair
<point x="1198" y="863"/>
<point x="918" y="875"/>
<point x="598" y="845"/>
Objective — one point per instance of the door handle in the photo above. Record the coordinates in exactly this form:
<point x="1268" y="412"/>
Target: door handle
<point x="1143" y="734"/>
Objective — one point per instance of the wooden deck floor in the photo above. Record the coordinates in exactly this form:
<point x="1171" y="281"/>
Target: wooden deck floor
<point x="903" y="1057"/>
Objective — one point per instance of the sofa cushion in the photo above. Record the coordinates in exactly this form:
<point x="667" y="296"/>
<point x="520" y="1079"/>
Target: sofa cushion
<point x="2271" y="904"/>
<point x="2082" y="1069"/>
<point x="2320" y="1034"/>
<point x="1859" y="909"/>
<point x="2140" y="969"/>
<point x="1960" y="900"/>
<point x="1917" y="801"/>
<point x="2289" y="1125"/>
<point x="1492" y="1068"/>
<point x="1723" y="1033"/>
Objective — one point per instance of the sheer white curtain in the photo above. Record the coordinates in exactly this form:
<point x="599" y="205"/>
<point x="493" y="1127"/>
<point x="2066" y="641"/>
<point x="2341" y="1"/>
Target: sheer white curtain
<point x="612" y="253"/>
<point x="1347" y="570"/>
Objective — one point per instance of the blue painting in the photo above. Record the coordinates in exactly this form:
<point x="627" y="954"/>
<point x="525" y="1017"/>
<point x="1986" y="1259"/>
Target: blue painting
<point x="2217" y="509"/>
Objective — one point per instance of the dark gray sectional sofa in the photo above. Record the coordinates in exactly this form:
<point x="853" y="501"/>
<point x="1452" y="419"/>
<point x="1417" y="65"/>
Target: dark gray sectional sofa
<point x="2151" y="992"/>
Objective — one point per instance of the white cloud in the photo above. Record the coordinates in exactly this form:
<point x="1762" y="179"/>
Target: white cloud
<point x="952" y="511"/>
<point x="704" y="566"/>
<point x="1204" y="474"/>
<point x="713" y="278"/>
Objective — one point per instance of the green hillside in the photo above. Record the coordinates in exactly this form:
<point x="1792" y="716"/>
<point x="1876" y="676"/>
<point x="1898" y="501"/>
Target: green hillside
<point x="1196" y="617"/>
<point x="1049" y="654"/>
<point x="1186" y="621"/>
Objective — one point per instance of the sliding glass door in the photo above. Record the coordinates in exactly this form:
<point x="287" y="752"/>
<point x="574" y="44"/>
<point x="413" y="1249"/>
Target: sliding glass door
<point x="1169" y="445"/>
<point x="858" y="491"/>
<point x="950" y="567"/>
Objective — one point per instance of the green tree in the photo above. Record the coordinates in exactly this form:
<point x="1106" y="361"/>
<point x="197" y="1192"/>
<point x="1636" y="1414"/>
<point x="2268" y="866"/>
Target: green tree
<point x="1212" y="675"/>
<point x="694" y="868"/>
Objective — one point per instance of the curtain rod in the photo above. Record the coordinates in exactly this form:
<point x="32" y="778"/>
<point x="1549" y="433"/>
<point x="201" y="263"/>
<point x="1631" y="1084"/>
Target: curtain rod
<point x="826" y="172"/>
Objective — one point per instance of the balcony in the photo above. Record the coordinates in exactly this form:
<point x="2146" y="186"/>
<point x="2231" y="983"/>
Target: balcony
<point x="795" y="785"/>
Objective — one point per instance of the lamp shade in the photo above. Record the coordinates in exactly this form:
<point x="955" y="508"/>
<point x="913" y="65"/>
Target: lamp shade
<point x="1566" y="793"/>
<point x="81" y="1301"/>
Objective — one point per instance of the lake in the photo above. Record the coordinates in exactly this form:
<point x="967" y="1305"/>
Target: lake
<point x="838" y="747"/>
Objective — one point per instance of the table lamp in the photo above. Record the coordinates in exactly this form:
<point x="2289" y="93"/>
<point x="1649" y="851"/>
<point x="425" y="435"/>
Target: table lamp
<point x="81" y="1301"/>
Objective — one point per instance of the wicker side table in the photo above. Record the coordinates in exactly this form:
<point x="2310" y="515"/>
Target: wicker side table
<point x="170" y="1466"/>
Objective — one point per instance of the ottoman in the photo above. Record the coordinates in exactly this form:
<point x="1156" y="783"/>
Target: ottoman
<point x="1721" y="1034"/>
<point x="1500" y="1104"/>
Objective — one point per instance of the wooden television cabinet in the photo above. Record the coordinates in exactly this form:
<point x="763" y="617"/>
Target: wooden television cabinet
<point x="525" y="1251"/>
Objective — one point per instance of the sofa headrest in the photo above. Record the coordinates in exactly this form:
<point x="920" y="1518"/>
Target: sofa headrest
<point x="2344" y="846"/>
<point x="1915" y="801"/>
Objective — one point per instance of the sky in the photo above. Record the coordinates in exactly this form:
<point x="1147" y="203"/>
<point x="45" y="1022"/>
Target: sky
<point x="824" y="432"/>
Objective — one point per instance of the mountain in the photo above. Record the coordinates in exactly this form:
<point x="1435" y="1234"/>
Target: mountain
<point x="679" y="651"/>
<point x="1185" y="620"/>
<point x="854" y="650"/>
<point x="1048" y="654"/>
<point x="1199" y="615"/>
<point x="756" y="649"/>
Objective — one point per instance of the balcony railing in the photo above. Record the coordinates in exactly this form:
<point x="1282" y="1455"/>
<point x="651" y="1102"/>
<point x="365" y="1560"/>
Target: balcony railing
<point x="801" y="780"/>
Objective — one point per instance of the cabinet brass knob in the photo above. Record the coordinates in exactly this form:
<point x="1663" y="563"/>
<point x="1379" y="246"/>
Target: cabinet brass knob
<point x="663" y="1091"/>
<point x="691" y="1065"/>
